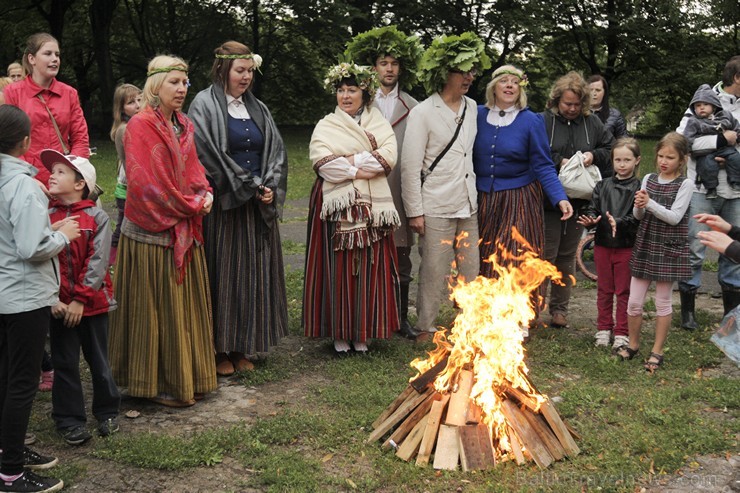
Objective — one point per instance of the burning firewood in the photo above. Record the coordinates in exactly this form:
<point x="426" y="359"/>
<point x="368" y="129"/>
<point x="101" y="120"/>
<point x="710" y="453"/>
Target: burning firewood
<point x="472" y="402"/>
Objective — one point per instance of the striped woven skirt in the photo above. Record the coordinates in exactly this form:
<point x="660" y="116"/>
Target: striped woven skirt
<point x="348" y="294"/>
<point x="247" y="278"/>
<point x="498" y="212"/>
<point x="161" y="333"/>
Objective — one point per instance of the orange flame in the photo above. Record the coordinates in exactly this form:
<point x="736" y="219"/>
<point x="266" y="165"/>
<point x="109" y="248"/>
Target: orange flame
<point x="486" y="336"/>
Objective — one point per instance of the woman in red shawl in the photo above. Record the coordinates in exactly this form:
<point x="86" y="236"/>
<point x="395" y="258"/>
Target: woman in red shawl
<point x="160" y="345"/>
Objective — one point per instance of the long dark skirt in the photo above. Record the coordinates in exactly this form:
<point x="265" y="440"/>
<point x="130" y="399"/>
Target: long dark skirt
<point x="498" y="213"/>
<point x="247" y="278"/>
<point x="348" y="294"/>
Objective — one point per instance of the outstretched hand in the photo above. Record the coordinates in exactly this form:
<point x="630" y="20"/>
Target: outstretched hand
<point x="714" y="240"/>
<point x="715" y="222"/>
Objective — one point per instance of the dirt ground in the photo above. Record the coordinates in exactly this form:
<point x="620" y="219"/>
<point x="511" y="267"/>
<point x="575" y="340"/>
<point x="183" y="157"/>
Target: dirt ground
<point x="233" y="403"/>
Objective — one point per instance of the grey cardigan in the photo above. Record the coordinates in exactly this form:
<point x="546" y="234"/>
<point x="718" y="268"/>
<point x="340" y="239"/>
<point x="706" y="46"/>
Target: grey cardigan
<point x="234" y="186"/>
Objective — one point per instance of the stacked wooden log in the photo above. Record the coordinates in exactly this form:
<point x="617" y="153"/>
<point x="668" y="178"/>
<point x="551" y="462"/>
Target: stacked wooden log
<point x="421" y="423"/>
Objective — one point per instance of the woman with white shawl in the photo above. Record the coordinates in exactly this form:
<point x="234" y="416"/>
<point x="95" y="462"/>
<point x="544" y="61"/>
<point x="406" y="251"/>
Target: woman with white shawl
<point x="351" y="289"/>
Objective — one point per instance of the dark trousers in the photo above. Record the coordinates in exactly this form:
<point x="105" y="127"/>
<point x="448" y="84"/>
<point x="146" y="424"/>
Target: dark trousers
<point x="22" y="337"/>
<point x="708" y="169"/>
<point x="561" y="242"/>
<point x="67" y="398"/>
<point x="404" y="264"/>
<point x="121" y="205"/>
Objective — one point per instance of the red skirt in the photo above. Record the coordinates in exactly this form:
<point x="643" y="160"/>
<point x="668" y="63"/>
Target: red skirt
<point x="348" y="294"/>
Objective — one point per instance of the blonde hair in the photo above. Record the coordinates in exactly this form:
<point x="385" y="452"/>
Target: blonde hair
<point x="33" y="45"/>
<point x="123" y="93"/>
<point x="16" y="65"/>
<point x="5" y="81"/>
<point x="498" y="74"/>
<point x="677" y="142"/>
<point x="150" y="95"/>
<point x="572" y="81"/>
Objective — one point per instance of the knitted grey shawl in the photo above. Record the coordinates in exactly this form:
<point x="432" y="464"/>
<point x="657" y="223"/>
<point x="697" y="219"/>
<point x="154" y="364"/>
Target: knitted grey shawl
<point x="235" y="185"/>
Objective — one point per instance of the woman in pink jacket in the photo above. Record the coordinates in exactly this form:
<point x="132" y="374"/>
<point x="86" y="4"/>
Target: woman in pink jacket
<point x="56" y="116"/>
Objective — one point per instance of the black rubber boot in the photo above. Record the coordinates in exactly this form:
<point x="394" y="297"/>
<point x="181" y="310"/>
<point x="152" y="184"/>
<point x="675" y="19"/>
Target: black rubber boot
<point x="688" y="299"/>
<point x="406" y="329"/>
<point x="730" y="299"/>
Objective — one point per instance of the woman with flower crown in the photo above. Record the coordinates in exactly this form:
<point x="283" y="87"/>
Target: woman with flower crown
<point x="511" y="158"/>
<point x="161" y="344"/>
<point x="244" y="155"/>
<point x="351" y="288"/>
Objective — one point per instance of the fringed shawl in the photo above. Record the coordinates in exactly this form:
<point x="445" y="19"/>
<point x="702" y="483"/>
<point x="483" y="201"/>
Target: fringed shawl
<point x="363" y="209"/>
<point x="166" y="182"/>
<point x="235" y="185"/>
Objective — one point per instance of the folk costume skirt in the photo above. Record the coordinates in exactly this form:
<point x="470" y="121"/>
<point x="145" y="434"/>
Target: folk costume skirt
<point x="161" y="334"/>
<point x="247" y="279"/>
<point x="498" y="212"/>
<point x="348" y="294"/>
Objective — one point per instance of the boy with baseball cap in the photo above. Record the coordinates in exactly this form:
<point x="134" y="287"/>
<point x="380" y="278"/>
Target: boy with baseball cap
<point x="80" y="319"/>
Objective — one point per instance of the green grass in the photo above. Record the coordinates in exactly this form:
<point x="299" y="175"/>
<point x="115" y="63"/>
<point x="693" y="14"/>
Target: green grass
<point x="632" y="424"/>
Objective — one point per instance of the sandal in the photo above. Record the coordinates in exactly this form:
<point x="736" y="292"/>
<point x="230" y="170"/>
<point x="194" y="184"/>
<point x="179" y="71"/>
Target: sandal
<point x="626" y="352"/>
<point x="651" y="366"/>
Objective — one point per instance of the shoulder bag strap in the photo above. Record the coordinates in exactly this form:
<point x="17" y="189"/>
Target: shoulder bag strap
<point x="65" y="150"/>
<point x="452" y="141"/>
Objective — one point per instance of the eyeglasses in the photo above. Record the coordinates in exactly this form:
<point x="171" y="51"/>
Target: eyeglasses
<point x="471" y="72"/>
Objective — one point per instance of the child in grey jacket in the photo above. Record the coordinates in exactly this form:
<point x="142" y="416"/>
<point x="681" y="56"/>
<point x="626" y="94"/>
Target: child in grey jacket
<point x="29" y="286"/>
<point x="708" y="118"/>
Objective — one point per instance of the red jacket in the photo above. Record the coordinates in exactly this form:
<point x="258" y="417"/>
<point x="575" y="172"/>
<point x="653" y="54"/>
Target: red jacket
<point x="64" y="104"/>
<point x="83" y="264"/>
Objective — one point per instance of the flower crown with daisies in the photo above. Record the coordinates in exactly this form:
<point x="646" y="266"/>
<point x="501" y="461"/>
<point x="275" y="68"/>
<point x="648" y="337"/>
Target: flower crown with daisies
<point x="247" y="56"/>
<point x="365" y="76"/>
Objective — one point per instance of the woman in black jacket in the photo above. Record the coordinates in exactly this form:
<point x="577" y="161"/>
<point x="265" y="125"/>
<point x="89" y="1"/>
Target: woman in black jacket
<point x="609" y="115"/>
<point x="570" y="128"/>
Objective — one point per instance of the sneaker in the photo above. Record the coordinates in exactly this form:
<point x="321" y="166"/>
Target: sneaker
<point x="602" y="338"/>
<point x="711" y="193"/>
<point x="32" y="483"/>
<point x="620" y="341"/>
<point x="47" y="381"/>
<point x="36" y="462"/>
<point x="75" y="436"/>
<point x="108" y="427"/>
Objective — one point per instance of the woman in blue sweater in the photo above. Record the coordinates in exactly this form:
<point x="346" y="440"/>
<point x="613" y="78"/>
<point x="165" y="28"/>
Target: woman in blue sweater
<point x="513" y="166"/>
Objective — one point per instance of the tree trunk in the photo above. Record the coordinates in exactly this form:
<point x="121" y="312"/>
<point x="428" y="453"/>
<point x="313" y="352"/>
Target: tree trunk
<point x="101" y="17"/>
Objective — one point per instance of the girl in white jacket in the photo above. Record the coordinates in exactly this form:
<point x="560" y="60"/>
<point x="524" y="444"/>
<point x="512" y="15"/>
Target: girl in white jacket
<point x="29" y="286"/>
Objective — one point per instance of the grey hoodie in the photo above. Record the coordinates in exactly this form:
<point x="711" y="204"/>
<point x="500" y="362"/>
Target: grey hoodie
<point x="715" y="124"/>
<point x="29" y="277"/>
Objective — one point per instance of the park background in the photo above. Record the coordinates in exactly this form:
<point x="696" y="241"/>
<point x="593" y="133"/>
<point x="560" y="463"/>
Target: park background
<point x="300" y="420"/>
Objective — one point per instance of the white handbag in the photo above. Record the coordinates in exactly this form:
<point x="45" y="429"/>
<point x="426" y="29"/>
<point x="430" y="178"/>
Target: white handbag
<point x="577" y="179"/>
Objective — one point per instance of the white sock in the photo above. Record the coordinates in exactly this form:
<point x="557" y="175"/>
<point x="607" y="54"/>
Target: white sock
<point x="341" y="346"/>
<point x="360" y="346"/>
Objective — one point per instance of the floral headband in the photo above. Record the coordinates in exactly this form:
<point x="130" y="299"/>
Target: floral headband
<point x="248" y="56"/>
<point x="366" y="77"/>
<point x="523" y="80"/>
<point x="166" y="69"/>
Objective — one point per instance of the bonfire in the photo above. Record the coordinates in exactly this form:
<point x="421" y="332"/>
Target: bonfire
<point x="472" y="397"/>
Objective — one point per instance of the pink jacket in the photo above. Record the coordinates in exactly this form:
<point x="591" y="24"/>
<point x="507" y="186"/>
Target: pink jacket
<point x="64" y="104"/>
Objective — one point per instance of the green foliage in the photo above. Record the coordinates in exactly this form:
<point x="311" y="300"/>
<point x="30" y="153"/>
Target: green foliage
<point x="367" y="47"/>
<point x="465" y="52"/>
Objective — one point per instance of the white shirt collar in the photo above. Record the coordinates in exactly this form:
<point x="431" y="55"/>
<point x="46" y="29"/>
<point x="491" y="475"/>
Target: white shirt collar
<point x="494" y="116"/>
<point x="236" y="107"/>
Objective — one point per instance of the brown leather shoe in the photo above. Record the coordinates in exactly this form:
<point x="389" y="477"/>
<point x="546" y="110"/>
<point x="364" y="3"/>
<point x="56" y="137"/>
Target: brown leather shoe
<point x="243" y="364"/>
<point x="559" y="320"/>
<point x="224" y="366"/>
